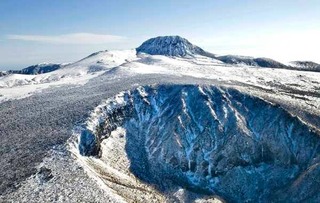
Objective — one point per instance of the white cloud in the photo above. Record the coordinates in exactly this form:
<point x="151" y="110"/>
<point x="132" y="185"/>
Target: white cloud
<point x="73" y="38"/>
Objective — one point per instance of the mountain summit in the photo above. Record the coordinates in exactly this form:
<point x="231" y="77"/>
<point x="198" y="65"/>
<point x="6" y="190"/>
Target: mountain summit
<point x="171" y="46"/>
<point x="181" y="47"/>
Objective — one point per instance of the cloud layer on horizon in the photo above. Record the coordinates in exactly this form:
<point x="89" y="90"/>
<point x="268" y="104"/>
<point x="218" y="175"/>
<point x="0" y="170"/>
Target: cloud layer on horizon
<point x="72" y="38"/>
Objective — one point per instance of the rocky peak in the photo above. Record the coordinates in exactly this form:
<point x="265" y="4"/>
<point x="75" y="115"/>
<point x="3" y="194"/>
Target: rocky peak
<point x="170" y="46"/>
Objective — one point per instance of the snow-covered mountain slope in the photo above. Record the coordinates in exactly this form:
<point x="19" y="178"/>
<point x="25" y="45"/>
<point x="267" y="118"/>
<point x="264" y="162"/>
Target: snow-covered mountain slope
<point x="171" y="46"/>
<point x="305" y="65"/>
<point x="82" y="70"/>
<point x="176" y="46"/>
<point x="171" y="50"/>
<point x="34" y="69"/>
<point x="250" y="61"/>
<point x="295" y="82"/>
<point x="120" y="63"/>
<point x="38" y="69"/>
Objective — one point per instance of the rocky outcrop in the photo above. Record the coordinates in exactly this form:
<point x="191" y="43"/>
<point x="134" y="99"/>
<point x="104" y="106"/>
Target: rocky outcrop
<point x="3" y="73"/>
<point x="89" y="144"/>
<point x="171" y="46"/>
<point x="44" y="175"/>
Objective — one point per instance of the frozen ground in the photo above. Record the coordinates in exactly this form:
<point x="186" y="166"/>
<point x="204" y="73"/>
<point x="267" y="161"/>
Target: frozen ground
<point x="39" y="113"/>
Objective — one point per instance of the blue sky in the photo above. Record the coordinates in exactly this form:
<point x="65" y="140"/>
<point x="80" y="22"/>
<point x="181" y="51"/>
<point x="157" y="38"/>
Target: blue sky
<point x="64" y="31"/>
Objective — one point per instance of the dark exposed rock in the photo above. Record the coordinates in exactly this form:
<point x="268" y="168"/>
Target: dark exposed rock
<point x="89" y="145"/>
<point x="3" y="73"/>
<point x="44" y="175"/>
